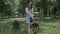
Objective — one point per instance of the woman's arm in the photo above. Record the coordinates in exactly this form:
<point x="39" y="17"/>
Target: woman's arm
<point x="32" y="11"/>
<point x="28" y="12"/>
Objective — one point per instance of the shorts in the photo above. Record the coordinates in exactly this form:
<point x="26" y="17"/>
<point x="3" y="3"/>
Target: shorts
<point x="28" y="19"/>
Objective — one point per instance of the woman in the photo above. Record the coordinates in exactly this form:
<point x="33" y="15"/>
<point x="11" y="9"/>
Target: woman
<point x="29" y="11"/>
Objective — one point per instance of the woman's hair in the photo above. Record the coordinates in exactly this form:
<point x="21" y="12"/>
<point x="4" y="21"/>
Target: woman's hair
<point x="30" y="3"/>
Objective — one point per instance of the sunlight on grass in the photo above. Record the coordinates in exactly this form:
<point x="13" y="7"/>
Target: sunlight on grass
<point x="19" y="19"/>
<point x="46" y="27"/>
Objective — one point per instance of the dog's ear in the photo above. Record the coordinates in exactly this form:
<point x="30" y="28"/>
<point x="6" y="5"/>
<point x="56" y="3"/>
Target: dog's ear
<point x="35" y="25"/>
<point x="15" y="21"/>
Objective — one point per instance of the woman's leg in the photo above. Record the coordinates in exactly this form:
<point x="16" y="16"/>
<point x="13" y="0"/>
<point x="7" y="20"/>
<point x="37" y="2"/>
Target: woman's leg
<point x="28" y="28"/>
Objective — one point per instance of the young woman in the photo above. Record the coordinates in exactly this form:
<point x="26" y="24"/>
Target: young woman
<point x="29" y="11"/>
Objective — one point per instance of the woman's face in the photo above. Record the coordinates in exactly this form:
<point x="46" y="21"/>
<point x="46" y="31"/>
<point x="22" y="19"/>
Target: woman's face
<point x="30" y="5"/>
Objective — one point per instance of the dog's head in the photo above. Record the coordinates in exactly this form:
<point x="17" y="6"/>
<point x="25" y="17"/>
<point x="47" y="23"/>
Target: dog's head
<point x="15" y="23"/>
<point x="35" y="27"/>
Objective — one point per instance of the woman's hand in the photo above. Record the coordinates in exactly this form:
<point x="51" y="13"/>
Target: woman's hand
<point x="32" y="15"/>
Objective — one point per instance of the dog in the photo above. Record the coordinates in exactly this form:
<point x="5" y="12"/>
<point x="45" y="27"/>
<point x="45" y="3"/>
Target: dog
<point x="34" y="26"/>
<point x="15" y="25"/>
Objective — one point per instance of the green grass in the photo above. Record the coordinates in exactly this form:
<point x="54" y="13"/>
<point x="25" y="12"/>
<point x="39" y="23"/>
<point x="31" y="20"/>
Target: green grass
<point x="46" y="26"/>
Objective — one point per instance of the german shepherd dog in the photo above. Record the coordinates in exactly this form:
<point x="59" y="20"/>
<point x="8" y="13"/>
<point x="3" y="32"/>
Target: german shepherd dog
<point x="15" y="25"/>
<point x="34" y="26"/>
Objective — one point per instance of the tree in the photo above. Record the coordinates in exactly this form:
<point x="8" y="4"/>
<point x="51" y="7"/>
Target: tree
<point x="39" y="6"/>
<point x="58" y="7"/>
<point x="5" y="9"/>
<point x="44" y="6"/>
